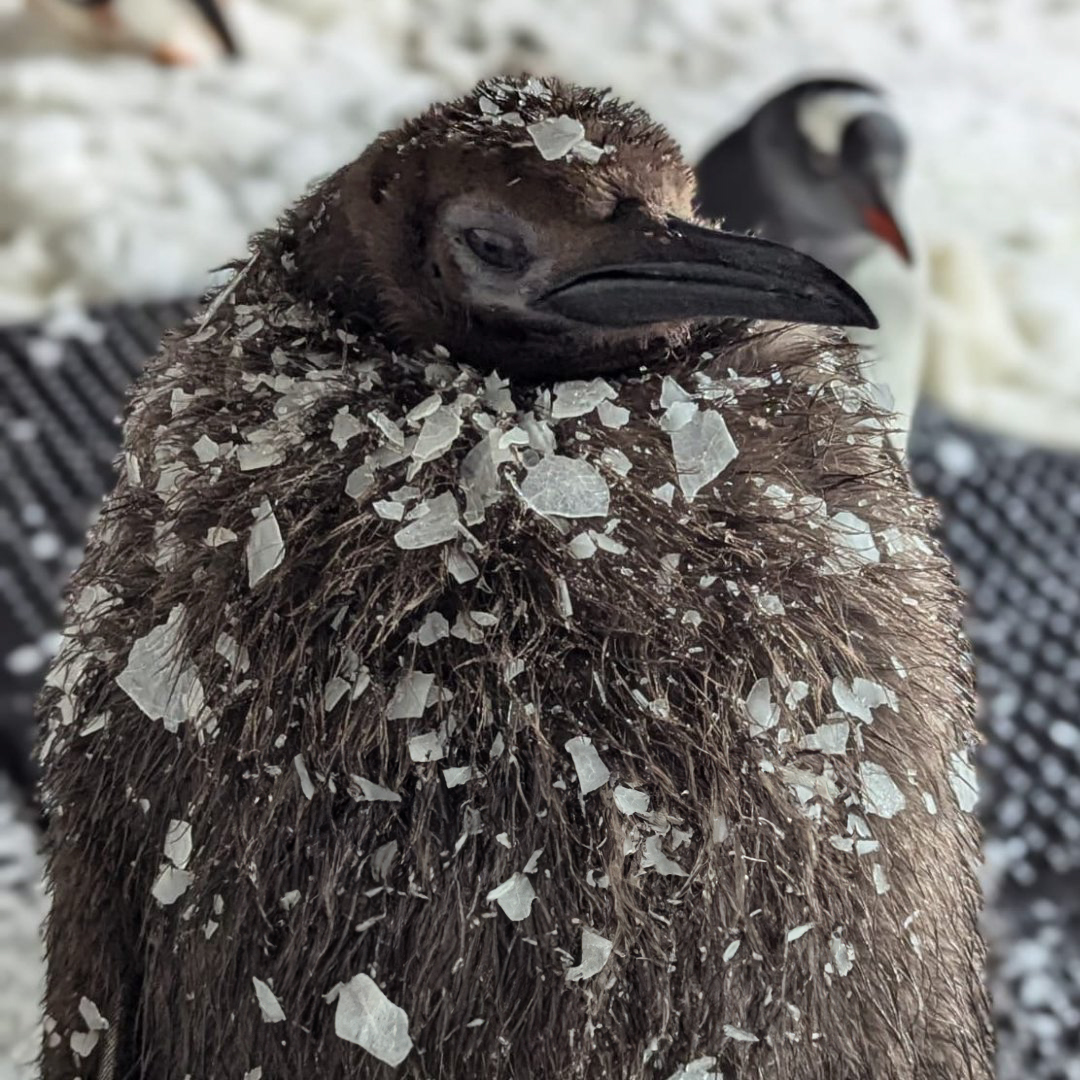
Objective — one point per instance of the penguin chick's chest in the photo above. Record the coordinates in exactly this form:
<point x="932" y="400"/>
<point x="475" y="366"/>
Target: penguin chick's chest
<point x="587" y="700"/>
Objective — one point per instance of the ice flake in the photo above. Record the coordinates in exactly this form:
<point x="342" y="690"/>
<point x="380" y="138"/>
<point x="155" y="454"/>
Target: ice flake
<point x="703" y="448"/>
<point x="616" y="460"/>
<point x="565" y="487"/>
<point x="269" y="1006"/>
<point x="556" y="136"/>
<point x="582" y="546"/>
<point x="738" y="1034"/>
<point x="699" y="1069"/>
<point x="92" y="1015"/>
<point x="592" y="773"/>
<point x="678" y="415"/>
<point x="769" y="604"/>
<point x="665" y="493"/>
<point x="253" y="1074"/>
<point x="719" y="829"/>
<point x="290" y="899"/>
<point x="370" y="792"/>
<point x="861" y="697"/>
<point x="764" y="713"/>
<point x="456" y="777"/>
<point x="157" y="678"/>
<point x="534" y="861"/>
<point x="367" y="1017"/>
<point x="389" y="509"/>
<point x="880" y="795"/>
<point x="671" y="392"/>
<point x="430" y="746"/>
<point x="843" y="955"/>
<point x="630" y="801"/>
<point x="460" y="565"/>
<point x="515" y="896"/>
<point x="899" y="542"/>
<point x="964" y="782"/>
<point x="929" y="802"/>
<point x="595" y="951"/>
<point x="83" y="1042"/>
<point x="855" y="544"/>
<point x="438" y="525"/>
<point x="881" y="880"/>
<point x="306" y="786"/>
<point x="345" y="426"/>
<point x="828" y="738"/>
<point x="390" y="430"/>
<point x="382" y="859"/>
<point x="206" y="450"/>
<point x="797" y="932"/>
<point x="731" y="950"/>
<point x="170" y="885"/>
<point x="360" y="481"/>
<point x="218" y="536"/>
<point x="612" y="416"/>
<point x="655" y="858"/>
<point x="579" y="398"/>
<point x="258" y="456"/>
<point x="265" y="549"/>
<point x="336" y="688"/>
<point x="437" y="435"/>
<point x="410" y="696"/>
<point x="434" y="628"/>
<point x="178" y="843"/>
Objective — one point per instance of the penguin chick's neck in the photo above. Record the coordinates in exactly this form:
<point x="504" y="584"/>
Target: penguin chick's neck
<point x="555" y="243"/>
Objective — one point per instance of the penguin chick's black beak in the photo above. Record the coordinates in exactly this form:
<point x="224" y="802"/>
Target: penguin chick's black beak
<point x="215" y="17"/>
<point x="650" y="275"/>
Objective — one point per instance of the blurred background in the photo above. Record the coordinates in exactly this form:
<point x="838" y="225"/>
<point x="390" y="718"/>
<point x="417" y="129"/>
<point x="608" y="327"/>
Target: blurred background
<point x="137" y="153"/>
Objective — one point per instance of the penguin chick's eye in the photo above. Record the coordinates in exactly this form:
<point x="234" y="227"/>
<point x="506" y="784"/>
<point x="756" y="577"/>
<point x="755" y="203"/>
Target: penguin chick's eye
<point x="497" y="249"/>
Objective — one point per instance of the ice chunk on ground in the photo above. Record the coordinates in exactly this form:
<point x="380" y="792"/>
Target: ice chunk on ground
<point x="410" y="696"/>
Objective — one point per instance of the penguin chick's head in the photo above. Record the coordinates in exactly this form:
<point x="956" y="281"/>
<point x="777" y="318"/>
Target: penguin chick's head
<point x="835" y="155"/>
<point x="545" y="230"/>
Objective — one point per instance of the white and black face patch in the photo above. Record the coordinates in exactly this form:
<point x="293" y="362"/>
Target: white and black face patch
<point x="822" y="119"/>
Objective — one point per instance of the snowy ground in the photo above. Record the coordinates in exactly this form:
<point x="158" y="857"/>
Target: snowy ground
<point x="121" y="180"/>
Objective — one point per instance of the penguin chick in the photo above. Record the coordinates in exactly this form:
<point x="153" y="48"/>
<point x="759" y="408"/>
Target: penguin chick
<point x="434" y="713"/>
<point x="819" y="166"/>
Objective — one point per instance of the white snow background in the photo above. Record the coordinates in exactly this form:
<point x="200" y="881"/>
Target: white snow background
<point x="120" y="180"/>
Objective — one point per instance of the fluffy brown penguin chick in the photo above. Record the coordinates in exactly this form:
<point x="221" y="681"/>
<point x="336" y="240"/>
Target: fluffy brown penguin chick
<point x="415" y="721"/>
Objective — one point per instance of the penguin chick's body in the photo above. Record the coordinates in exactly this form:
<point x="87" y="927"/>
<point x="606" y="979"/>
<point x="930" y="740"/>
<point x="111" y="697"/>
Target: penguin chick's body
<point x="419" y="722"/>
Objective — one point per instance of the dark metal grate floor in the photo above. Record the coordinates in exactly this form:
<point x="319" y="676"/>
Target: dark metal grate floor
<point x="1011" y="523"/>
